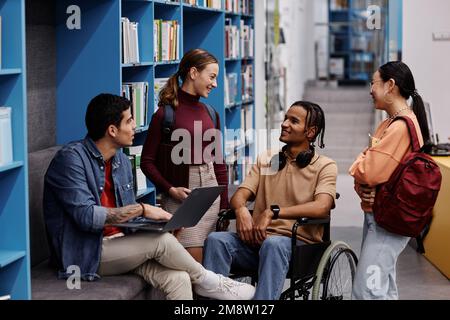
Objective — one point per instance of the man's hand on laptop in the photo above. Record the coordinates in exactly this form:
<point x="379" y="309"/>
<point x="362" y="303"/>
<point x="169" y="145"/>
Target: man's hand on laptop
<point x="179" y="194"/>
<point x="156" y="213"/>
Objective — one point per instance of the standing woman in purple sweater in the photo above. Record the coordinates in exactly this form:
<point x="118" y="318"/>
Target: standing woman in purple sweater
<point x="197" y="73"/>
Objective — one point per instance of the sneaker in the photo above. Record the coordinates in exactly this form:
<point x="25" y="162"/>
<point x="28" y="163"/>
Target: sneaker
<point x="224" y="288"/>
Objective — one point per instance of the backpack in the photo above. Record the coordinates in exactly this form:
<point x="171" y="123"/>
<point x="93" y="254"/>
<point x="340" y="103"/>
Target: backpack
<point x="169" y="120"/>
<point x="404" y="204"/>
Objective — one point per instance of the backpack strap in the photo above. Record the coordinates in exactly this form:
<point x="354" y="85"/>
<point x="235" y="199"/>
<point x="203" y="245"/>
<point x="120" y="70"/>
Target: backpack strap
<point x="168" y="121"/>
<point x="412" y="132"/>
<point x="212" y="114"/>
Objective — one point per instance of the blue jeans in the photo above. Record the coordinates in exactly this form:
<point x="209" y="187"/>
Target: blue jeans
<point x="375" y="277"/>
<point x="225" y="250"/>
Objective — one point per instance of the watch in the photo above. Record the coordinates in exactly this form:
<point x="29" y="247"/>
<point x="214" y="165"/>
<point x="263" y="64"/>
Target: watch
<point x="276" y="211"/>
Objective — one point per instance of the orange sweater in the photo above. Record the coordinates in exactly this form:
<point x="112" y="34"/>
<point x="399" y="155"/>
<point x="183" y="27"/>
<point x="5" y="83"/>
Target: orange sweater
<point x="390" y="144"/>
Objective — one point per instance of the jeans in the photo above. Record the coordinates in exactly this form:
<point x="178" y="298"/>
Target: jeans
<point x="225" y="250"/>
<point x="375" y="277"/>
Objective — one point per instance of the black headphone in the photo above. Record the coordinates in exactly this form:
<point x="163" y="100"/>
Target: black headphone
<point x="303" y="159"/>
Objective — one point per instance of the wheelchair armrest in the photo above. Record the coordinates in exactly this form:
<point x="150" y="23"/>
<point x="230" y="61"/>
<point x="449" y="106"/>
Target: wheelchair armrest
<point x="311" y="221"/>
<point x="227" y="215"/>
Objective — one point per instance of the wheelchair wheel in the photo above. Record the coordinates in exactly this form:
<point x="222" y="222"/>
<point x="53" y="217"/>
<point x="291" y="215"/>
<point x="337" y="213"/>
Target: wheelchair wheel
<point x="335" y="273"/>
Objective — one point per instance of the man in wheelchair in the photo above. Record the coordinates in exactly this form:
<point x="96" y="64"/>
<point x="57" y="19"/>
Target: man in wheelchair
<point x="286" y="185"/>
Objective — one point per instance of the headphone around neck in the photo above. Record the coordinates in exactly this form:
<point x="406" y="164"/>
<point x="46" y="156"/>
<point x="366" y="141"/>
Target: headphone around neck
<point x="303" y="159"/>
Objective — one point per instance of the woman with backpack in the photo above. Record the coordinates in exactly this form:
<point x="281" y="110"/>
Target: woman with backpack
<point x="391" y="88"/>
<point x="192" y="160"/>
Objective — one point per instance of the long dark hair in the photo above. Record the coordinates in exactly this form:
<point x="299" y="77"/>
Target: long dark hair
<point x="315" y="117"/>
<point x="196" y="58"/>
<point x="403" y="77"/>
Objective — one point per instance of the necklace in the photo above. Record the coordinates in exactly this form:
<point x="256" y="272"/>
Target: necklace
<point x="398" y="112"/>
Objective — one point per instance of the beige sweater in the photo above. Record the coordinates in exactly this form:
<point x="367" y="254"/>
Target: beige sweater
<point x="390" y="143"/>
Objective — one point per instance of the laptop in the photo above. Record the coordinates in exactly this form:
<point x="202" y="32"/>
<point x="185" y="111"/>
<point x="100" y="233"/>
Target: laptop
<point x="187" y="215"/>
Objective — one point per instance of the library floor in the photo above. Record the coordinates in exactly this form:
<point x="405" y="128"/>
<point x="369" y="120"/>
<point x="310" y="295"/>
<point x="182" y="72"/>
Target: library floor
<point x="417" y="278"/>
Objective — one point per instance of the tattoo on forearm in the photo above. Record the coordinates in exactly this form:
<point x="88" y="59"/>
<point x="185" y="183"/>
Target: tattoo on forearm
<point x="123" y="214"/>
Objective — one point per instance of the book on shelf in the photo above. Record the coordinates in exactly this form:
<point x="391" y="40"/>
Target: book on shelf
<point x="247" y="36"/>
<point x="6" y="143"/>
<point x="130" y="41"/>
<point x="232" y="6"/>
<point x="248" y="123"/>
<point x="247" y="7"/>
<point x="231" y="88"/>
<point x="231" y="39"/>
<point x="247" y="82"/>
<point x="214" y="4"/>
<point x="137" y="93"/>
<point x="139" y="179"/>
<point x="166" y="35"/>
<point x="159" y="84"/>
<point x="338" y="5"/>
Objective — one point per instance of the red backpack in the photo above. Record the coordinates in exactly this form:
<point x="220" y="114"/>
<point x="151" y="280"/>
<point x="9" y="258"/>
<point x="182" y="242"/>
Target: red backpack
<point x="404" y="204"/>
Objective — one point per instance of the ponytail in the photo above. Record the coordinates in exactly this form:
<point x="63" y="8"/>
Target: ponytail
<point x="419" y="110"/>
<point x="169" y="93"/>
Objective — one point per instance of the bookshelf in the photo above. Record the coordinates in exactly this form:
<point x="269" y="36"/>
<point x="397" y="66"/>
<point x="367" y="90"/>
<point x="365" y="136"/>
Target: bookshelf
<point x="355" y="50"/>
<point x="14" y="232"/>
<point x="89" y="60"/>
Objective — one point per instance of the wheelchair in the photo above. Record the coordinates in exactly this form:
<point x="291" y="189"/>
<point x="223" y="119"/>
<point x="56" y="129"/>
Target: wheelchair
<point x="319" y="271"/>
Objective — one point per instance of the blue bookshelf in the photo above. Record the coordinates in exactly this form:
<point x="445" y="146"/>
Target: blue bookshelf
<point x="14" y="232"/>
<point x="352" y="42"/>
<point x="89" y="60"/>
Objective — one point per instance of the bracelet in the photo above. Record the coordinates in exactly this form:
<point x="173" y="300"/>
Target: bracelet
<point x="143" y="208"/>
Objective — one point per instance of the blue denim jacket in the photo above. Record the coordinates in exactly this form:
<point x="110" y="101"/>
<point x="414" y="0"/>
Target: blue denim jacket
<point x="73" y="213"/>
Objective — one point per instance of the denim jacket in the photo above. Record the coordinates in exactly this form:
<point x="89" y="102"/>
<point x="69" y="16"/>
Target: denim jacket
<point x="73" y="213"/>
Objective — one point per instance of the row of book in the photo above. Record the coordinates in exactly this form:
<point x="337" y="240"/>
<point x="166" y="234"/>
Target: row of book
<point x="6" y="142"/>
<point x="130" y="41"/>
<point x="231" y="39"/>
<point x="232" y="6"/>
<point x="137" y="93"/>
<point x="232" y="36"/>
<point x="239" y="6"/>
<point x="247" y="7"/>
<point x="247" y="36"/>
<point x="166" y="37"/>
<point x="214" y="4"/>
<point x="134" y="154"/>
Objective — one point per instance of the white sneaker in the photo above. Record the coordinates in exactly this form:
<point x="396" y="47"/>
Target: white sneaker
<point x="219" y="287"/>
